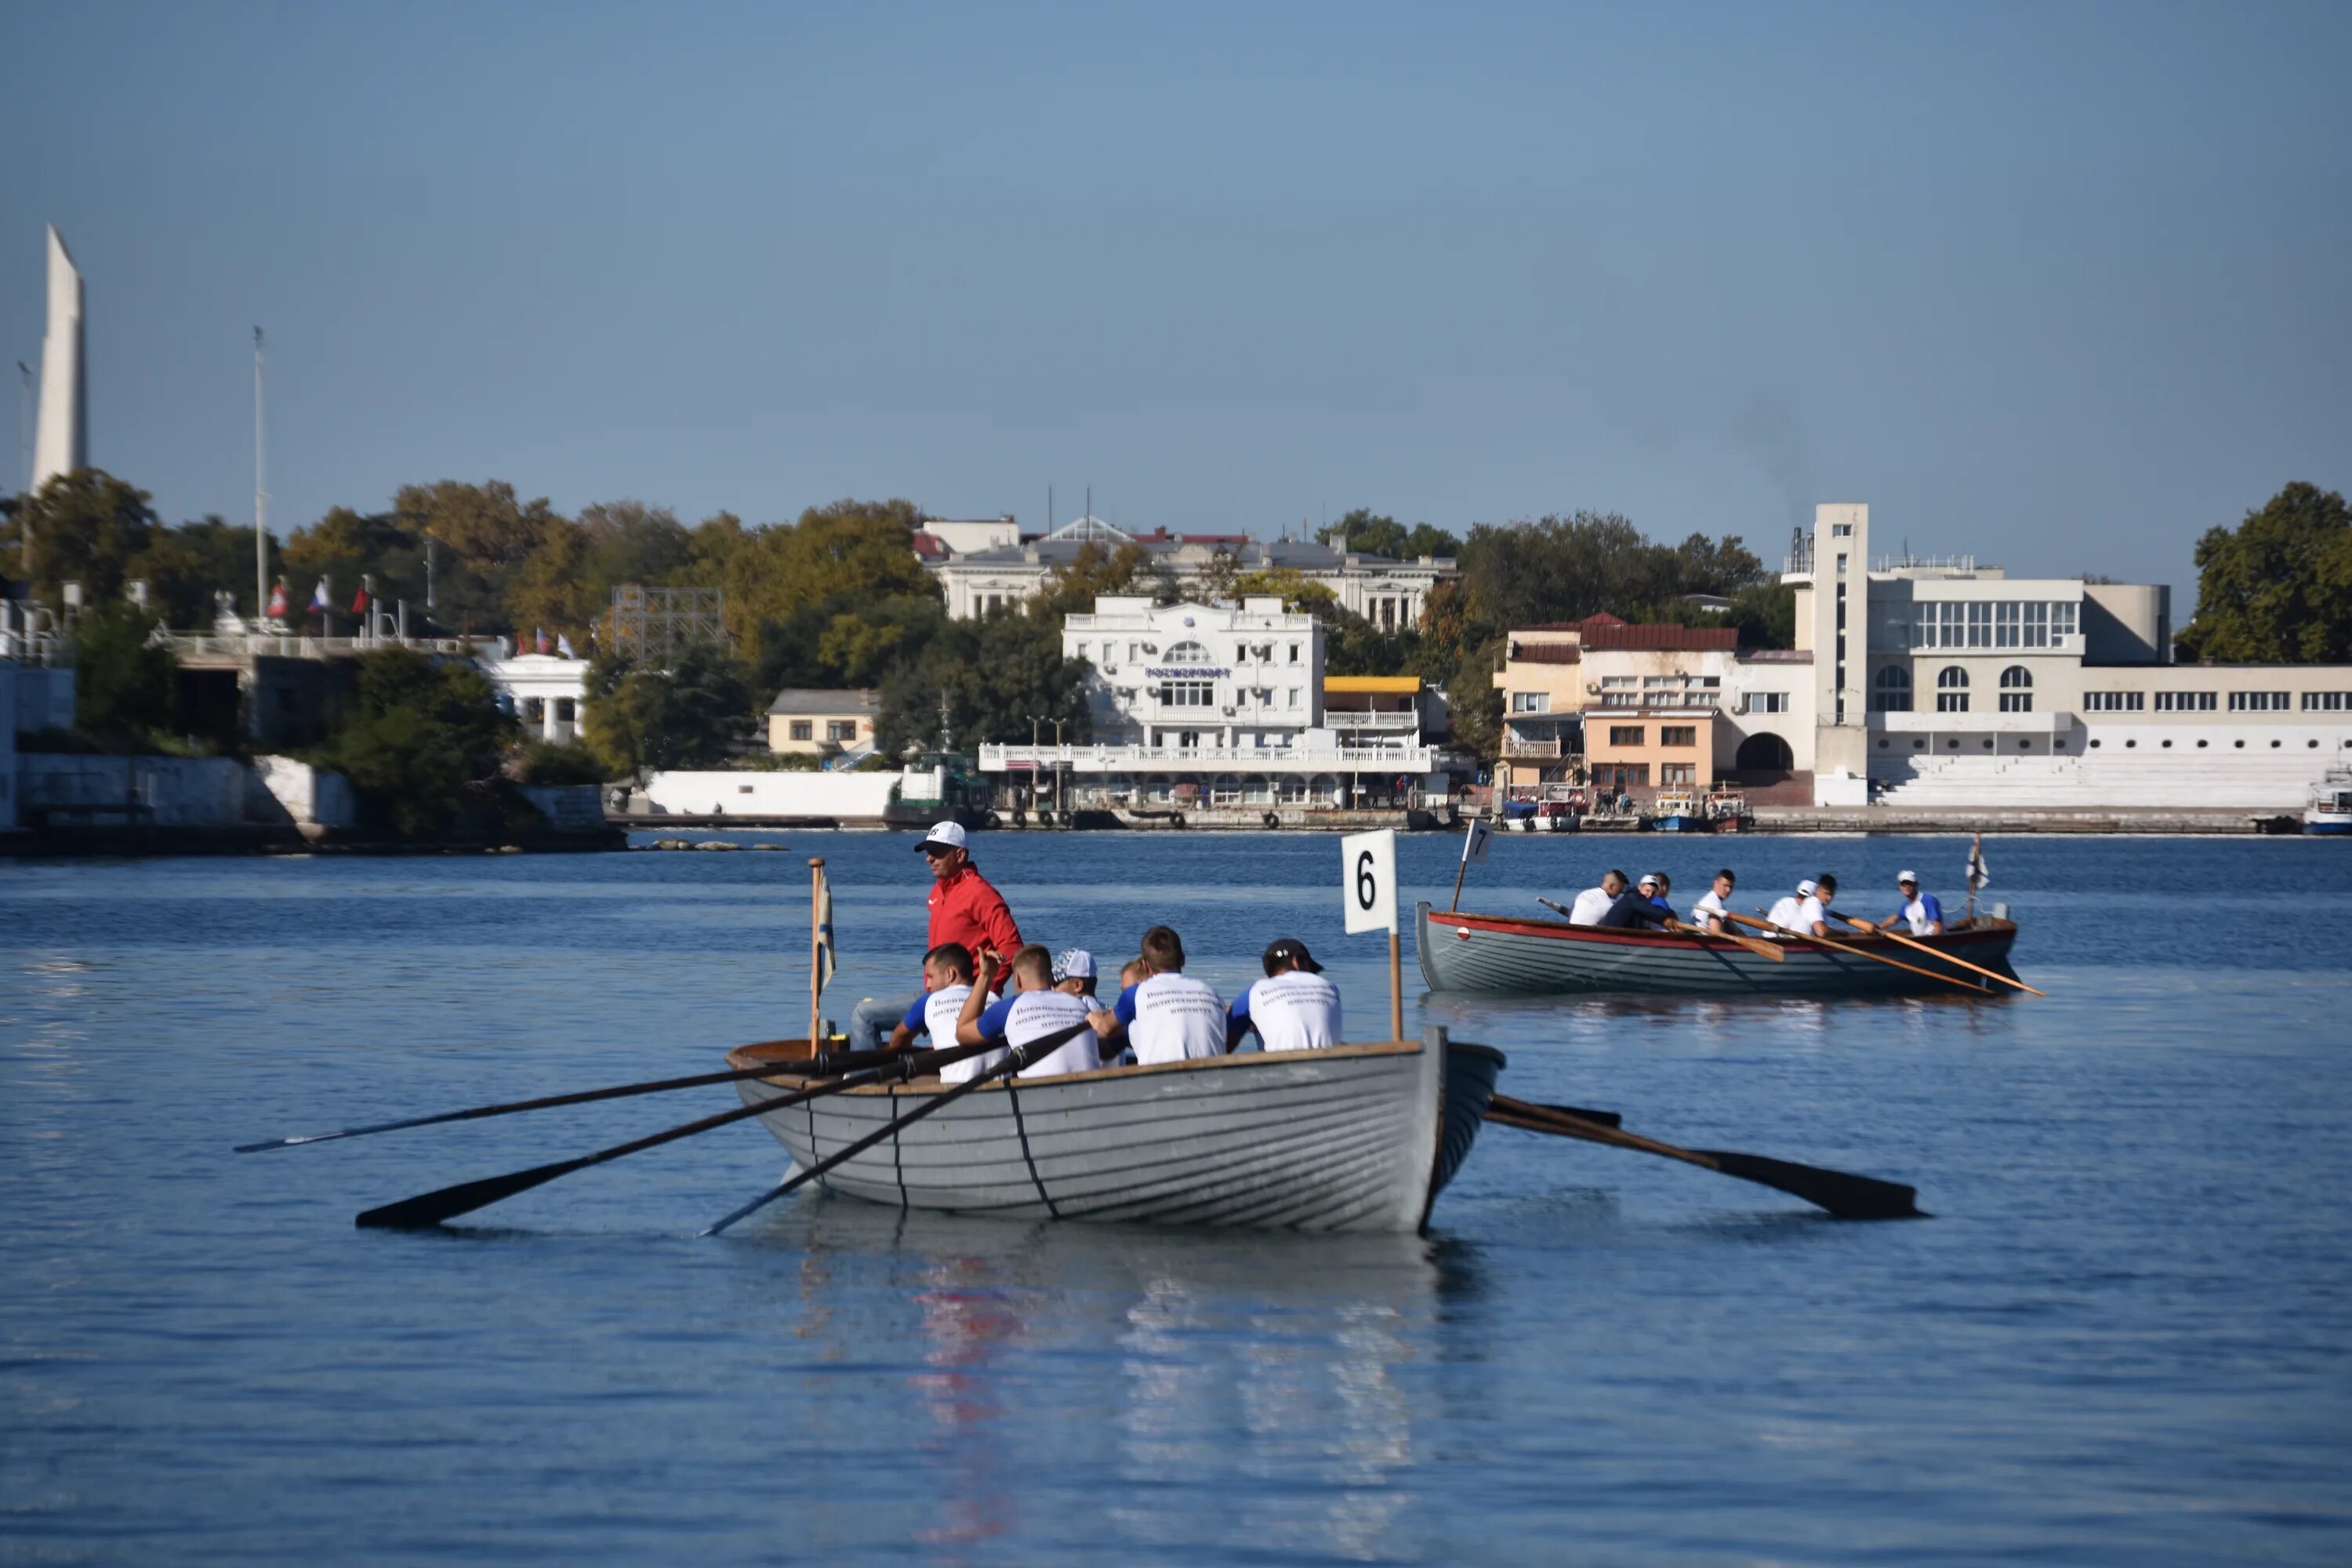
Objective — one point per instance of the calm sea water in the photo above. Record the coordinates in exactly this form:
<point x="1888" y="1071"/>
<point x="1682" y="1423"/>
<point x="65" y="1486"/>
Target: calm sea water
<point x="2127" y="1336"/>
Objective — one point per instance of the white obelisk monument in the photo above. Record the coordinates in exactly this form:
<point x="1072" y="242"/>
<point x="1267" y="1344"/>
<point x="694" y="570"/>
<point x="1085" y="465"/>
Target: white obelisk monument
<point x="62" y="442"/>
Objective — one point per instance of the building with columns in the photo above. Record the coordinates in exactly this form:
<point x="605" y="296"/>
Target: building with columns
<point x="1389" y="593"/>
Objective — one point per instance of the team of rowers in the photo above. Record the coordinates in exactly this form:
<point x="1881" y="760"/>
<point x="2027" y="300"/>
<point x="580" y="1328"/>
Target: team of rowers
<point x="974" y="993"/>
<point x="1806" y="913"/>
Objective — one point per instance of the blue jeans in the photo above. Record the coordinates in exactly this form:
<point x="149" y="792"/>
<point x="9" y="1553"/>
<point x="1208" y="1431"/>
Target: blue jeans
<point x="874" y="1018"/>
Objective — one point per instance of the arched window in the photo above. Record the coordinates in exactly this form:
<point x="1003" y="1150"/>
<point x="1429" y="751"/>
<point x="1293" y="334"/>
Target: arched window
<point x="1188" y="652"/>
<point x="2017" y="689"/>
<point x="1951" y="690"/>
<point x="1890" y="691"/>
<point x="1185" y="680"/>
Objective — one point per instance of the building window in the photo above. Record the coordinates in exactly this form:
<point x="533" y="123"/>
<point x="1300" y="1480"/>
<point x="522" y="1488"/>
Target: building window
<point x="2185" y="701"/>
<point x="2008" y="624"/>
<point x="1294" y="653"/>
<point x="2257" y="701"/>
<point x="1890" y="690"/>
<point x="1627" y="734"/>
<point x="1951" y="690"/>
<point x="2114" y="702"/>
<point x="841" y="729"/>
<point x="1678" y="735"/>
<point x="1765" y="702"/>
<point x="2037" y="625"/>
<point x="803" y="729"/>
<point x="1678" y="772"/>
<point x="1187" y="693"/>
<point x="1530" y="701"/>
<point x="2327" y="701"/>
<point x="2017" y="689"/>
<point x="566" y="709"/>
<point x="1293" y="702"/>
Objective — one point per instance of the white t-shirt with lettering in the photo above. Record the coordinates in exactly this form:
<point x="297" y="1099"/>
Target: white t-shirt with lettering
<point x="940" y="1010"/>
<point x="1171" y="1017"/>
<point x="1033" y="1016"/>
<point x="1293" y="1011"/>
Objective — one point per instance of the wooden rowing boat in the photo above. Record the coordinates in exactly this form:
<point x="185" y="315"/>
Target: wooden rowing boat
<point x="1511" y="956"/>
<point x="1347" y="1137"/>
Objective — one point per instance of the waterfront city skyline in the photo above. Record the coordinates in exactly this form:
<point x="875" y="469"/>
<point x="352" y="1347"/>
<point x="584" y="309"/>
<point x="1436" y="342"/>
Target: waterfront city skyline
<point x="2010" y="279"/>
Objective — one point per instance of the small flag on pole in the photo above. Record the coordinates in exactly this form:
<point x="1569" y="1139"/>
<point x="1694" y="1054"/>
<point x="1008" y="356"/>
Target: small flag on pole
<point x="364" y="597"/>
<point x="824" y="939"/>
<point x="277" y="601"/>
<point x="321" y="597"/>
<point x="564" y="647"/>
<point x="1979" y="877"/>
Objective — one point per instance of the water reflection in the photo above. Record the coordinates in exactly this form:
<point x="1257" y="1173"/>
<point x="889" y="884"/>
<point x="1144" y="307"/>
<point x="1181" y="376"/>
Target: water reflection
<point x="1282" y="1356"/>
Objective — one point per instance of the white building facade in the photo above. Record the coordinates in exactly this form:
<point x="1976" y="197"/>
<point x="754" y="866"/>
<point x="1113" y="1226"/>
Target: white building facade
<point x="1214" y="705"/>
<point x="1948" y="683"/>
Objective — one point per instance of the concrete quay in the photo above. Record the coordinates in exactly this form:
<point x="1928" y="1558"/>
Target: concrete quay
<point x="2010" y="820"/>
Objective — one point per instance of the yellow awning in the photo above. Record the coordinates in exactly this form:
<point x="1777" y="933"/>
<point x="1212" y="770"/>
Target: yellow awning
<point x="1392" y="685"/>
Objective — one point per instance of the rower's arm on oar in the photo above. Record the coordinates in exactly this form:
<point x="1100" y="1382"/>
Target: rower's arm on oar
<point x="1761" y="949"/>
<point x="1841" y="1193"/>
<point x="1836" y="946"/>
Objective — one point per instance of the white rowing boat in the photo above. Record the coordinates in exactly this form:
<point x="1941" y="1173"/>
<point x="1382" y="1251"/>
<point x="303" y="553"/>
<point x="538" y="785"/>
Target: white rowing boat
<point x="1347" y="1137"/>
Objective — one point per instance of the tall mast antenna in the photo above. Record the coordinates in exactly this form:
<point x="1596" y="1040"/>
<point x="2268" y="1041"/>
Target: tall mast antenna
<point x="260" y="499"/>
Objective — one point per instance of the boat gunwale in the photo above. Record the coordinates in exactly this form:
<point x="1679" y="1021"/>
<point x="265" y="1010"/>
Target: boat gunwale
<point x="1984" y="930"/>
<point x="743" y="1058"/>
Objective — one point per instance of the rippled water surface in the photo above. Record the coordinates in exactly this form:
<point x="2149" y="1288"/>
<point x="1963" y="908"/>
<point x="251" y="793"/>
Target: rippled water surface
<point x="2127" y="1336"/>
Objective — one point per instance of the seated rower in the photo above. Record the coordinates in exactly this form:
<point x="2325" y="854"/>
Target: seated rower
<point x="1074" y="971"/>
<point x="947" y="980"/>
<point x="1785" y="908"/>
<point x="1637" y="906"/>
<point x="1169" y="1016"/>
<point x="1661" y="887"/>
<point x="1593" y="902"/>
<point x="1029" y="1010"/>
<point x="1708" y="913"/>
<point x="1920" y="911"/>
<point x="1294" y="1008"/>
<point x="1813" y="909"/>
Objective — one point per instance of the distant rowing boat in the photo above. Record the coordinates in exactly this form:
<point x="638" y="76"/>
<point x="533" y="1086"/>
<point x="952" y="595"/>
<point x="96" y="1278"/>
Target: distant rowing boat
<point x="1347" y="1137"/>
<point x="1505" y="954"/>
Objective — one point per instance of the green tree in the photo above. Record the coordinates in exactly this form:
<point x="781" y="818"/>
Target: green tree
<point x="85" y="526"/>
<point x="1097" y="570"/>
<point x="126" y="690"/>
<point x="996" y="674"/>
<point x="1766" y="614"/>
<point x="1367" y="532"/>
<point x="346" y="546"/>
<point x="2278" y="587"/>
<point x="485" y="534"/>
<point x="416" y="734"/>
<point x="692" y="715"/>
<point x="863" y="548"/>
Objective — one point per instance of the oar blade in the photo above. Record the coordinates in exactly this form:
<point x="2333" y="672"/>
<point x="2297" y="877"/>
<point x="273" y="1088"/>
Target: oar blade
<point x="428" y="1209"/>
<point x="1841" y="1193"/>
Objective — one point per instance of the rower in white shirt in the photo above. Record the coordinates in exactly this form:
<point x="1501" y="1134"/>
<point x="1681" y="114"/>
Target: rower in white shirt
<point x="1170" y="1016"/>
<point x="947" y="981"/>
<point x="1294" y="1008"/>
<point x="1030" y="1010"/>
<point x="1708" y="913"/>
<point x="1812" y="909"/>
<point x="1785" y="910"/>
<point x="1593" y="902"/>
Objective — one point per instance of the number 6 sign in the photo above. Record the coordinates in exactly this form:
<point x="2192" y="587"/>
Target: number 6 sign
<point x="1368" y="863"/>
<point x="1368" y="879"/>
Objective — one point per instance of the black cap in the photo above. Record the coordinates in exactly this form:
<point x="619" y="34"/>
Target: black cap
<point x="1283" y="950"/>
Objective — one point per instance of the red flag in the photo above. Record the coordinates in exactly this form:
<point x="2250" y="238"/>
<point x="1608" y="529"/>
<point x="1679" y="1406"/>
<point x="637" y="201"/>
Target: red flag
<point x="361" y="600"/>
<point x="277" y="601"/>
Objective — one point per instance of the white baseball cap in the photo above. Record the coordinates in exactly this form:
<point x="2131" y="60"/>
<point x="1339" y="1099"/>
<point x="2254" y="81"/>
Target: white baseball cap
<point x="948" y="835"/>
<point x="1906" y="876"/>
<point x="1649" y="880"/>
<point x="1074" y="964"/>
<point x="1808" y="888"/>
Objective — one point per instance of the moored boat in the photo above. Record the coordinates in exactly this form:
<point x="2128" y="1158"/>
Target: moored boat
<point x="1347" y="1137"/>
<point x="1511" y="956"/>
<point x="2330" y="810"/>
<point x="1679" y="811"/>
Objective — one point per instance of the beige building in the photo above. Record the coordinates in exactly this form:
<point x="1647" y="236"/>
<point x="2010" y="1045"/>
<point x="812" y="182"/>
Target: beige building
<point x="1543" y="683"/>
<point x="822" y="723"/>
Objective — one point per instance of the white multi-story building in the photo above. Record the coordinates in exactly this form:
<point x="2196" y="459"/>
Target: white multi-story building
<point x="1217" y="705"/>
<point x="1946" y="682"/>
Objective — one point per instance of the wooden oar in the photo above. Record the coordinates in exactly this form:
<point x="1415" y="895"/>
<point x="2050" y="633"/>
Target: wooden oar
<point x="448" y="1202"/>
<point x="1020" y="1058"/>
<point x="1858" y="953"/>
<point x="1891" y="935"/>
<point x="1756" y="945"/>
<point x="806" y="1067"/>
<point x="1842" y="1194"/>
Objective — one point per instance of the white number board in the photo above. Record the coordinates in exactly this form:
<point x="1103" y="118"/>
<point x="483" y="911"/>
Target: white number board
<point x="1368" y="880"/>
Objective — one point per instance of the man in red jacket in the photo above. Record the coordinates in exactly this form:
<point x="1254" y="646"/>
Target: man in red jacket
<point x="964" y="908"/>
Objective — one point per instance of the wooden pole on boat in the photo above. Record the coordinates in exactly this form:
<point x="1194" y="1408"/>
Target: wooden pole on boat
<point x="1891" y="935"/>
<point x="816" y="949"/>
<point x="1396" y="987"/>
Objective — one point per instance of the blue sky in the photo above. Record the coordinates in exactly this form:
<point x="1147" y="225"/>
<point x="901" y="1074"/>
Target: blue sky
<point x="2063" y="285"/>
